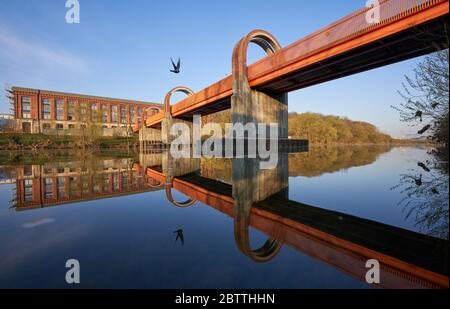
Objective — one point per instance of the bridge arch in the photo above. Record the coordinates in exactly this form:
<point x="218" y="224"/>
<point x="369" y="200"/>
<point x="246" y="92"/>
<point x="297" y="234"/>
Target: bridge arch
<point x="157" y="109"/>
<point x="185" y="90"/>
<point x="263" y="39"/>
<point x="253" y="106"/>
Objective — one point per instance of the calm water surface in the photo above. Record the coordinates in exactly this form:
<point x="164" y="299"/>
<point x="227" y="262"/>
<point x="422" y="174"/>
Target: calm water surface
<point x="116" y="216"/>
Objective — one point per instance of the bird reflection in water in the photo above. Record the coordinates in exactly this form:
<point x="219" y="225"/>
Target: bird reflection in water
<point x="180" y="236"/>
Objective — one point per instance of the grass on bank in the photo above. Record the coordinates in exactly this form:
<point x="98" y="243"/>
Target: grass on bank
<point x="13" y="141"/>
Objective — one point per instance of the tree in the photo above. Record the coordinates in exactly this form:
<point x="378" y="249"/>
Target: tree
<point x="426" y="96"/>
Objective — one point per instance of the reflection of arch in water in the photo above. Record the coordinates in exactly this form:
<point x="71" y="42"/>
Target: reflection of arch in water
<point x="152" y="181"/>
<point x="169" y="185"/>
<point x="241" y="235"/>
<point x="242" y="216"/>
<point x="167" y="110"/>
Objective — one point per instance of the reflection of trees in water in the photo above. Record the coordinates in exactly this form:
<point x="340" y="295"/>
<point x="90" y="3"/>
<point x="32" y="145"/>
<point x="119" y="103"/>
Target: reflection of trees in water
<point x="425" y="191"/>
<point x="331" y="159"/>
<point x="317" y="161"/>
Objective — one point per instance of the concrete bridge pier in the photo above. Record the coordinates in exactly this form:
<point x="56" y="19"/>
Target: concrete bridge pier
<point x="250" y="106"/>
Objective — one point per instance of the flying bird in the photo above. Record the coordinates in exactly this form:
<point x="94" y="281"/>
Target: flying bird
<point x="424" y="129"/>
<point x="435" y="104"/>
<point x="176" y="68"/>
<point x="423" y="166"/>
<point x="419" y="114"/>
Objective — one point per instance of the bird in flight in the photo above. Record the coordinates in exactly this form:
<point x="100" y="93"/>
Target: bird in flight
<point x="176" y="68"/>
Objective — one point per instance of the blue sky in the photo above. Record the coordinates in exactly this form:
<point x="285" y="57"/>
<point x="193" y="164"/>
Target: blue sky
<point x="123" y="48"/>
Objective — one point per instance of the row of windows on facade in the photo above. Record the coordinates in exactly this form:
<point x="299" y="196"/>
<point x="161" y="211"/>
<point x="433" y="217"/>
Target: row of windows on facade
<point x="60" y="126"/>
<point x="81" y="112"/>
<point x="85" y="183"/>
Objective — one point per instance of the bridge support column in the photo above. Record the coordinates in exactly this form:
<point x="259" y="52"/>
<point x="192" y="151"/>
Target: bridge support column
<point x="250" y="106"/>
<point x="168" y="120"/>
<point x="166" y="126"/>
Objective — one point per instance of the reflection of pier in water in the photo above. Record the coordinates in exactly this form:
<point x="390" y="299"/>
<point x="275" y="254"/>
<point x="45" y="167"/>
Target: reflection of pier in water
<point x="259" y="198"/>
<point x="57" y="183"/>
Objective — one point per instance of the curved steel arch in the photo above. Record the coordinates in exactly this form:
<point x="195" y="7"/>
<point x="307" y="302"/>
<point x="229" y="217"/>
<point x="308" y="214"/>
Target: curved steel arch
<point x="261" y="38"/>
<point x="167" y="109"/>
<point x="153" y="107"/>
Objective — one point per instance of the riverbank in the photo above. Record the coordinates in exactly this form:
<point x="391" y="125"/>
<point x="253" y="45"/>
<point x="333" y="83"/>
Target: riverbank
<point x="24" y="157"/>
<point x="35" y="142"/>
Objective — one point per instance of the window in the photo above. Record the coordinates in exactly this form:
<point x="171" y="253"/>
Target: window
<point x="72" y="110"/>
<point x="48" y="187"/>
<point x="123" y="114"/>
<point x="59" y="109"/>
<point x="104" y="113"/>
<point x="59" y="126"/>
<point x="46" y="109"/>
<point x="73" y="186"/>
<point x="115" y="179"/>
<point x="71" y="126"/>
<point x="139" y="116"/>
<point x="105" y="182"/>
<point x="85" y="184"/>
<point x="61" y="186"/>
<point x="114" y="114"/>
<point x="94" y="113"/>
<point x="83" y="106"/>
<point x="132" y="114"/>
<point x="26" y="107"/>
<point x="46" y="126"/>
<point x="28" y="190"/>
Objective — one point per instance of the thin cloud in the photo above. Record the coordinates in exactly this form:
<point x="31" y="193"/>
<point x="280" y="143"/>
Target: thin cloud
<point x="18" y="52"/>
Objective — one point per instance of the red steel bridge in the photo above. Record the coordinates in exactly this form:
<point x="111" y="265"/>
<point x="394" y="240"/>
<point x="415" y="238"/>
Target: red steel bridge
<point x="406" y="29"/>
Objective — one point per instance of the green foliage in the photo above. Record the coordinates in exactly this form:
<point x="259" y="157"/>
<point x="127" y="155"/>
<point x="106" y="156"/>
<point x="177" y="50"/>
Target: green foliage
<point x="14" y="141"/>
<point x="116" y="141"/>
<point x="320" y="129"/>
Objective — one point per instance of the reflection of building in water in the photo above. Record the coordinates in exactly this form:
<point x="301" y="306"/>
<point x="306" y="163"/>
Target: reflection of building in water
<point x="58" y="183"/>
<point x="259" y="199"/>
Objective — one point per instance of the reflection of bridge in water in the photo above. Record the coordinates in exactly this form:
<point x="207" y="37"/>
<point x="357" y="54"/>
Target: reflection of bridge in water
<point x="259" y="199"/>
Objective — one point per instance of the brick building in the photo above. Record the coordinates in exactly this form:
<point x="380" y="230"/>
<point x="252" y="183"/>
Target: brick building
<point x="52" y="112"/>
